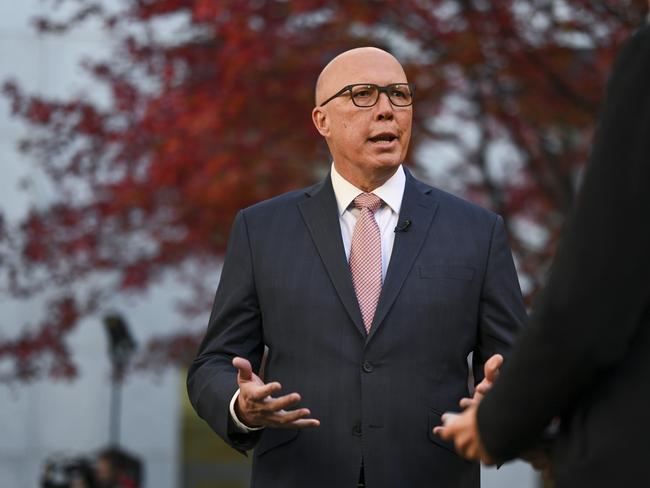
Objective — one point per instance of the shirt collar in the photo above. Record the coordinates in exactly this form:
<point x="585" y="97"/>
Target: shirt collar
<point x="391" y="192"/>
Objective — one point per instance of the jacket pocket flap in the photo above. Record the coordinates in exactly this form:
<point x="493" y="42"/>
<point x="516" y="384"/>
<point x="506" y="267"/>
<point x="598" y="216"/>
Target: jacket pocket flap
<point x="451" y="272"/>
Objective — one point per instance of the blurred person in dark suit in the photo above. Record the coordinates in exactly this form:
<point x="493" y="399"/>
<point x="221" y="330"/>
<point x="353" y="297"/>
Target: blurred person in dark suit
<point x="115" y="468"/>
<point x="369" y="289"/>
<point x="585" y="356"/>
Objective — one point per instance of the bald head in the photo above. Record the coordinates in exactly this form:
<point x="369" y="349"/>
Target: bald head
<point x="353" y="66"/>
<point x="367" y="142"/>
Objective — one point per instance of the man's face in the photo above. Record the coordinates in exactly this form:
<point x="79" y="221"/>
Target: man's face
<point x="364" y="139"/>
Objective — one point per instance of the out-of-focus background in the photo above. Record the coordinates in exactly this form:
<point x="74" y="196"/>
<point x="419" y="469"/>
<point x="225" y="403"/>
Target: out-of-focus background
<point x="130" y="133"/>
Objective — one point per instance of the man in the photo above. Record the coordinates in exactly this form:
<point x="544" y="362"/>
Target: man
<point x="585" y="355"/>
<point x="369" y="289"/>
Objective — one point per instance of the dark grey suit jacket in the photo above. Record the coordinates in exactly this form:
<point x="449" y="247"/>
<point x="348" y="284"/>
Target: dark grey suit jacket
<point x="450" y="289"/>
<point x="586" y="354"/>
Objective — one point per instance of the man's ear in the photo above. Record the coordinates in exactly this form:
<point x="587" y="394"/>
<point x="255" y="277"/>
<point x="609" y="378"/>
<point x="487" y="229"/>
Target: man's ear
<point x="321" y="121"/>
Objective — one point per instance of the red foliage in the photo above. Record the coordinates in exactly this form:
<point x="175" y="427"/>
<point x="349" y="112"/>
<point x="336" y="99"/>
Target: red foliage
<point x="28" y="350"/>
<point x="214" y="116"/>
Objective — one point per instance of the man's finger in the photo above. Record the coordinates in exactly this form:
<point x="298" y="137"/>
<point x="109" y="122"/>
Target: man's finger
<point x="492" y="367"/>
<point x="302" y="423"/>
<point x="280" y="403"/>
<point x="293" y="419"/>
<point x="259" y="393"/>
<point x="445" y="433"/>
<point x="483" y="387"/>
<point x="465" y="402"/>
<point x="244" y="369"/>
<point x="448" y="418"/>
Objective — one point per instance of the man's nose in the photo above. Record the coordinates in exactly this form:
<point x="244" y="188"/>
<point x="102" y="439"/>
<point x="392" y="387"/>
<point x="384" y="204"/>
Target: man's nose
<point x="384" y="108"/>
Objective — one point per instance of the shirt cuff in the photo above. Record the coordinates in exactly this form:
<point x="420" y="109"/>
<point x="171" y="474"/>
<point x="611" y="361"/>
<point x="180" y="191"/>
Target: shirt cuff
<point x="245" y="429"/>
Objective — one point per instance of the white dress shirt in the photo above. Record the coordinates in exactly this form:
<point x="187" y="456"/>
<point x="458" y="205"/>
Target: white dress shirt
<point x="391" y="194"/>
<point x="387" y="216"/>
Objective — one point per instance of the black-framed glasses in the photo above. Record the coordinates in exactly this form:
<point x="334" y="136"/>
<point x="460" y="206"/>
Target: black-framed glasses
<point x="367" y="94"/>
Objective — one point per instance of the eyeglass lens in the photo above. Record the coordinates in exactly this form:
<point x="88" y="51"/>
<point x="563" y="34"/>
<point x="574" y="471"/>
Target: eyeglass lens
<point x="367" y="95"/>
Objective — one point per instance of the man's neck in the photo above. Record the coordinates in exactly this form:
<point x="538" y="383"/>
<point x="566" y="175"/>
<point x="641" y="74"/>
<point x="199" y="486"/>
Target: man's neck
<point x="366" y="180"/>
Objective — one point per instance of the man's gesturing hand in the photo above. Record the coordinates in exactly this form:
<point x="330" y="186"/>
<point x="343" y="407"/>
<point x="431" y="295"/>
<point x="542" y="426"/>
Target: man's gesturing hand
<point x="256" y="407"/>
<point x="491" y="368"/>
<point x="462" y="429"/>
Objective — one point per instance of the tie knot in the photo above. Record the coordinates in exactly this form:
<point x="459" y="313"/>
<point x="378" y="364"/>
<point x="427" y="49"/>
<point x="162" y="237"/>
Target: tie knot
<point x="368" y="200"/>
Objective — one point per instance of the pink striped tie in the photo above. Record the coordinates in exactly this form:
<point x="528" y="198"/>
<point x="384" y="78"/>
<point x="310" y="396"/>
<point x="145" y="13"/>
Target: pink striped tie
<point x="365" y="256"/>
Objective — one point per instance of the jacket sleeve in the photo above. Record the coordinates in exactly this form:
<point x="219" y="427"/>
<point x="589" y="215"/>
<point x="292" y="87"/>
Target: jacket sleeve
<point x="234" y="329"/>
<point x="502" y="312"/>
<point x="598" y="288"/>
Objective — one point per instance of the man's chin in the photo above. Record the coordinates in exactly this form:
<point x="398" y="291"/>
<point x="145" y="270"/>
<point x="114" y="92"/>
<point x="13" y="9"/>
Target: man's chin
<point x="386" y="161"/>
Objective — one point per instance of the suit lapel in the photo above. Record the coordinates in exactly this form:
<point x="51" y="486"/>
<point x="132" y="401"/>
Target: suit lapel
<point x="320" y="213"/>
<point x="419" y="207"/>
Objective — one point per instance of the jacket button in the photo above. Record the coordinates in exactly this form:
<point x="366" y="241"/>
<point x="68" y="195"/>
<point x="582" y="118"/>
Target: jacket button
<point x="356" y="430"/>
<point x="367" y="367"/>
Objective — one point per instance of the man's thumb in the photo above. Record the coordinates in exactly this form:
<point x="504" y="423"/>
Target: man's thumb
<point x="244" y="369"/>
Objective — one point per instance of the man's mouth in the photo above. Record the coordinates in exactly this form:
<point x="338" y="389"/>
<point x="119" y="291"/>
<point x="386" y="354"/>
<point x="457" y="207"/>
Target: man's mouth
<point x="383" y="138"/>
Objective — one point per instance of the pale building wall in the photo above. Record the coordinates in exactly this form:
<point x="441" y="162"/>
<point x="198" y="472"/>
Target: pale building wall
<point x="43" y="418"/>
